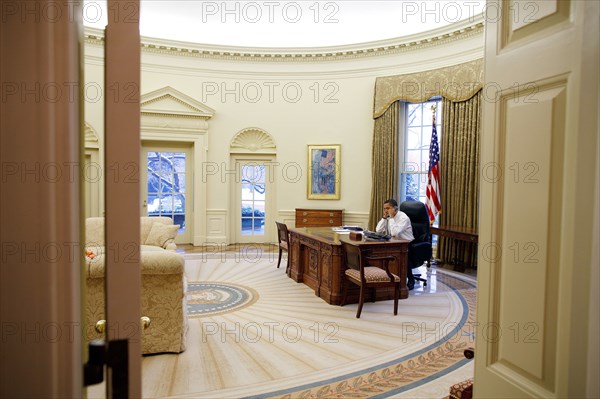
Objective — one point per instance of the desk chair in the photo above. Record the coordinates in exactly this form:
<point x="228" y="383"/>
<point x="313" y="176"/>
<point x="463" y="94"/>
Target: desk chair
<point x="366" y="277"/>
<point x="283" y="237"/>
<point x="419" y="250"/>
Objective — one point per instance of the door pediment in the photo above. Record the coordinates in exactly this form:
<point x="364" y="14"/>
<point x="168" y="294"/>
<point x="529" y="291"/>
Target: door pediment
<point x="169" y="101"/>
<point x="168" y="110"/>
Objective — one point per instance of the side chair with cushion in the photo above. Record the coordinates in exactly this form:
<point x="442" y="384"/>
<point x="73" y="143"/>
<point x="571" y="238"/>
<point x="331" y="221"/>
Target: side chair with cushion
<point x="361" y="272"/>
<point x="283" y="237"/>
<point x="420" y="249"/>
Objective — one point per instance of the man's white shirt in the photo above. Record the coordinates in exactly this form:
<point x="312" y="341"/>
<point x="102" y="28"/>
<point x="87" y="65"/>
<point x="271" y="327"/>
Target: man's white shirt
<point x="398" y="226"/>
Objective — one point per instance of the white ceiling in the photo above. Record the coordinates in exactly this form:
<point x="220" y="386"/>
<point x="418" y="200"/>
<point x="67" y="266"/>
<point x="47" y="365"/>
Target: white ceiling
<point x="302" y="23"/>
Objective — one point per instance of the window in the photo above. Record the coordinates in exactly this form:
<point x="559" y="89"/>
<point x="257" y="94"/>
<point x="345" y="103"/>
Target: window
<point x="415" y="138"/>
<point x="253" y="199"/>
<point x="166" y="186"/>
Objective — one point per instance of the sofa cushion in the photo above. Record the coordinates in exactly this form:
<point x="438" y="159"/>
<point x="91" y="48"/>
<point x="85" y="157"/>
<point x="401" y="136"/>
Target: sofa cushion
<point x="160" y="234"/>
<point x="94" y="232"/>
<point x="146" y="223"/>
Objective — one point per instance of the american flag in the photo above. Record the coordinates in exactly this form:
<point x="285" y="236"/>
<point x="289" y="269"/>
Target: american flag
<point x="433" y="201"/>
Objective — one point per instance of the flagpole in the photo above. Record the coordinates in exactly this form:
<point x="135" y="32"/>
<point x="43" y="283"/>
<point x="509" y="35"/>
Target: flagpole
<point x="433" y="120"/>
<point x="433" y="199"/>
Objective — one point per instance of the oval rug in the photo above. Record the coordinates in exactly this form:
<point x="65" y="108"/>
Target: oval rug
<point x="210" y="298"/>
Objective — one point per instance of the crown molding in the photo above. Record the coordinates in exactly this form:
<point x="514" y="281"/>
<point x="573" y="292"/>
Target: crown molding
<point x="440" y="36"/>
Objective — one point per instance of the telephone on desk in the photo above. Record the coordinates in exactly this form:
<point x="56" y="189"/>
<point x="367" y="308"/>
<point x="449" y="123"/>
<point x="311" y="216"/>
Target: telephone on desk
<point x="374" y="236"/>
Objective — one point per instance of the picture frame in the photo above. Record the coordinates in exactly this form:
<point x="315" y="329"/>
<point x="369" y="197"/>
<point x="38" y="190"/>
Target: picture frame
<point x="324" y="171"/>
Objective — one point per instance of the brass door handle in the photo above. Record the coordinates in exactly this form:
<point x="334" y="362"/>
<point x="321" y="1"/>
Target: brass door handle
<point x="145" y="321"/>
<point x="100" y="326"/>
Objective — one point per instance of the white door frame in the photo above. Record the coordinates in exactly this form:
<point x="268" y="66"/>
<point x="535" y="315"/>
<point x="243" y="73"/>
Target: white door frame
<point x="168" y="115"/>
<point x="235" y="199"/>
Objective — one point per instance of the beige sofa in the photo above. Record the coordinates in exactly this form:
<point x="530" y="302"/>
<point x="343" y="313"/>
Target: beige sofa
<point x="163" y="284"/>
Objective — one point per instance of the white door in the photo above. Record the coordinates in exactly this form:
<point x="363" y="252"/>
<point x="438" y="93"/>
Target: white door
<point x="166" y="177"/>
<point x="253" y="201"/>
<point x="536" y="228"/>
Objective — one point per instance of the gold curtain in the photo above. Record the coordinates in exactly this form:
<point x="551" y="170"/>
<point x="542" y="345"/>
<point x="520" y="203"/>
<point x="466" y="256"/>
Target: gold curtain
<point x="459" y="177"/>
<point x="457" y="83"/>
<point x="384" y="172"/>
<point x="462" y="84"/>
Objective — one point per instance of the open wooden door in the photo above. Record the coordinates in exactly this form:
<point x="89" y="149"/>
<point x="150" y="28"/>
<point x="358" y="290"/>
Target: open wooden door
<point x="539" y="149"/>
<point x="122" y="220"/>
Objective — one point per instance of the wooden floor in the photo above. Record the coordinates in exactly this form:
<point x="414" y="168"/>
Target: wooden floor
<point x="290" y="342"/>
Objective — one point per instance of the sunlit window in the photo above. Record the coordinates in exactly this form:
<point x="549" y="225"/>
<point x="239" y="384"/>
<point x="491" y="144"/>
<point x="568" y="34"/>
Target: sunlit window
<point x="415" y="135"/>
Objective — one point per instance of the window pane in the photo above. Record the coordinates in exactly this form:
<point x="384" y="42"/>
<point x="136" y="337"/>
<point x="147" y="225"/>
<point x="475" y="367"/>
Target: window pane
<point x="179" y="162"/>
<point x="179" y="203"/>
<point x="259" y="192"/>
<point x="425" y="158"/>
<point x="179" y="182"/>
<point x="247" y="225"/>
<point x="253" y="173"/>
<point x="411" y="187"/>
<point x="166" y="161"/>
<point x="414" y="114"/>
<point x="180" y="220"/>
<point x="413" y="139"/>
<point x="166" y="206"/>
<point x="247" y="172"/>
<point x="259" y="226"/>
<point x="153" y="182"/>
<point x="259" y="174"/>
<point x="423" y="186"/>
<point x="247" y="192"/>
<point x="247" y="209"/>
<point x="152" y="205"/>
<point x="166" y="183"/>
<point x="413" y="160"/>
<point x="427" y="115"/>
<point x="259" y="208"/>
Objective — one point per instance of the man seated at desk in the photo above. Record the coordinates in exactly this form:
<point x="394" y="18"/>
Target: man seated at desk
<point x="397" y="224"/>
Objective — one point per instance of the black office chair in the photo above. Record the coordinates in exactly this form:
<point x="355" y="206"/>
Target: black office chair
<point x="419" y="250"/>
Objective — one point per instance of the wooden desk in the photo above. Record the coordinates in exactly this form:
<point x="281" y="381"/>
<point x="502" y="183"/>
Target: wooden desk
<point x="317" y="260"/>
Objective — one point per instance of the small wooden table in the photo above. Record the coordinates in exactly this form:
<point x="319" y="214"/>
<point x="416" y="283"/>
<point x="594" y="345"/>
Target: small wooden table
<point x="467" y="234"/>
<point x="458" y="233"/>
<point x="316" y="259"/>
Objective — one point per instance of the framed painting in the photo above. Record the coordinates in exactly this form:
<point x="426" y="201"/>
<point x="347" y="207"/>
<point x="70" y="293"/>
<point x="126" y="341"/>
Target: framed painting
<point x="324" y="171"/>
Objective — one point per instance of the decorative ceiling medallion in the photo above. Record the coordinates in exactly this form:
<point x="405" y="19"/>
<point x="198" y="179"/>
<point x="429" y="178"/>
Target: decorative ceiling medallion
<point x="211" y="298"/>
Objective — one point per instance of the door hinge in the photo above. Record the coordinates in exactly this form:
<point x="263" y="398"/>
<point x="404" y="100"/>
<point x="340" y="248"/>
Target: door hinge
<point x="115" y="355"/>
